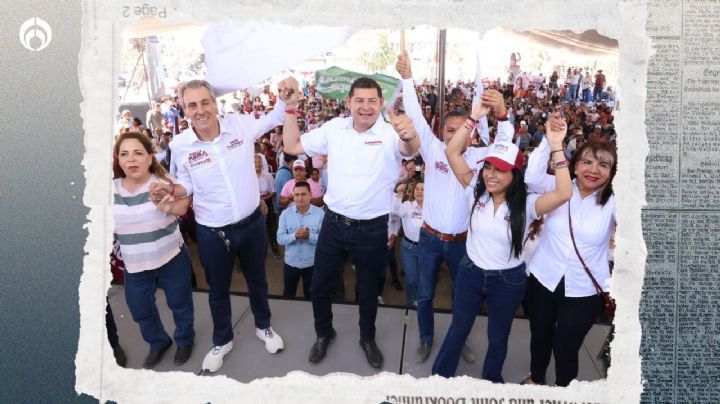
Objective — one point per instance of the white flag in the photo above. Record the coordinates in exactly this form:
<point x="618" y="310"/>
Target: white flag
<point x="482" y="127"/>
<point x="241" y="54"/>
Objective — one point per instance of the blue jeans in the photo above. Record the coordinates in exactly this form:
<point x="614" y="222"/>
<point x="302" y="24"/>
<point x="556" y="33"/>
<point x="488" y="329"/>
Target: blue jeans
<point x="174" y="279"/>
<point x="247" y="242"/>
<point x="571" y="92"/>
<point x="586" y="95"/>
<point x="366" y="243"/>
<point x="410" y="256"/>
<point x="433" y="252"/>
<point x="597" y="94"/>
<point x="504" y="291"/>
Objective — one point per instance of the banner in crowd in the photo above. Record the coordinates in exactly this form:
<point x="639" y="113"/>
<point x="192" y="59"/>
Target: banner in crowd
<point x="334" y="83"/>
<point x="241" y="54"/>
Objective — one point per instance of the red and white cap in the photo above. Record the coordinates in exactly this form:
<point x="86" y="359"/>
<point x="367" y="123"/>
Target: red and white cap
<point x="505" y="156"/>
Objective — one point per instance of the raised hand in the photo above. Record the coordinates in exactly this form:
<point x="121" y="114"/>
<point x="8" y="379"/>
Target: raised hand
<point x="289" y="91"/>
<point x="556" y="129"/>
<point x="403" y="66"/>
<point x="402" y="124"/>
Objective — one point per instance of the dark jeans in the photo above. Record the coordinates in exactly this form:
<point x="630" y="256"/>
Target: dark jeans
<point x="291" y="278"/>
<point x="558" y="326"/>
<point x="174" y="279"/>
<point x="248" y="242"/>
<point x="410" y="256"/>
<point x="503" y="290"/>
<point x="432" y="253"/>
<point x="366" y="243"/>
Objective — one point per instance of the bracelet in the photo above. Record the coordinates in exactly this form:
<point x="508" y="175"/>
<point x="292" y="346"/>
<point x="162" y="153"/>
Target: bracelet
<point x="172" y="190"/>
<point x="560" y="164"/>
<point x="557" y="151"/>
<point x="503" y="117"/>
<point x="475" y="121"/>
<point x="292" y="111"/>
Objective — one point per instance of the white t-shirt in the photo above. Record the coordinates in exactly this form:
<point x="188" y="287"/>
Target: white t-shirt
<point x="489" y="242"/>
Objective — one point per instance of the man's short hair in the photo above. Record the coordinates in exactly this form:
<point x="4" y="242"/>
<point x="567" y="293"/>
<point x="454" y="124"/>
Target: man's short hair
<point x="289" y="158"/>
<point x="365" y="82"/>
<point x="194" y="84"/>
<point x="302" y="184"/>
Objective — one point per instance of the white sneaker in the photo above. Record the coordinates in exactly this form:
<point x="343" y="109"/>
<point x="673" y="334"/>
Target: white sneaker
<point x="214" y="359"/>
<point x="273" y="341"/>
<point x="381" y="300"/>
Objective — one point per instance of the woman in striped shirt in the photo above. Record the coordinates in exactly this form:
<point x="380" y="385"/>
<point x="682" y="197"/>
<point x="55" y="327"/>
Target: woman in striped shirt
<point x="152" y="248"/>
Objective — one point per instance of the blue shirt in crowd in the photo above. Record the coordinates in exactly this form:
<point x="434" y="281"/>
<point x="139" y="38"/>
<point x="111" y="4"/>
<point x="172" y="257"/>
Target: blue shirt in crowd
<point x="299" y="253"/>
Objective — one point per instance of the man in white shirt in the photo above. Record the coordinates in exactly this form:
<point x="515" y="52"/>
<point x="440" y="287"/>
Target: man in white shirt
<point x="445" y="214"/>
<point x="214" y="162"/>
<point x="359" y="195"/>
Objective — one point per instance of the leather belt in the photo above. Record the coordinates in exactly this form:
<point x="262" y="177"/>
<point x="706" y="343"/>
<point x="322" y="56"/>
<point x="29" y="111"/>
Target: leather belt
<point x="241" y="223"/>
<point x="410" y="241"/>
<point x="443" y="236"/>
<point x="334" y="216"/>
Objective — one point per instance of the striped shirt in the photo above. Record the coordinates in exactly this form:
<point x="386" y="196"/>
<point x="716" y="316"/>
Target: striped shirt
<point x="149" y="238"/>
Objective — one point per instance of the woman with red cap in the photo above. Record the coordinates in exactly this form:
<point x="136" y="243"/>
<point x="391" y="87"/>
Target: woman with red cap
<point x="493" y="270"/>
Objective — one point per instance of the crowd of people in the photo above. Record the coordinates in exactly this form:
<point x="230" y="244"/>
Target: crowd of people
<point x="515" y="216"/>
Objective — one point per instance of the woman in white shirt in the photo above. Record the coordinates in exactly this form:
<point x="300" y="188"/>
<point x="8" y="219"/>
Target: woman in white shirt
<point x="563" y="303"/>
<point x="493" y="270"/>
<point x="410" y="212"/>
<point x="152" y="248"/>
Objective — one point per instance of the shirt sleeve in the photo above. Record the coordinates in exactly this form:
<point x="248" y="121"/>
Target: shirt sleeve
<point x="413" y="110"/>
<point x="536" y="177"/>
<point x="396" y="207"/>
<point x="315" y="142"/>
<point x="505" y="132"/>
<point x="286" y="190"/>
<point x="258" y="127"/>
<point x="531" y="211"/>
<point x="284" y="237"/>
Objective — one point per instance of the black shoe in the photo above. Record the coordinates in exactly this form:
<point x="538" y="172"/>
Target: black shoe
<point x="423" y="351"/>
<point x="397" y="285"/>
<point x="319" y="349"/>
<point x="372" y="353"/>
<point x="119" y="355"/>
<point x="183" y="354"/>
<point x="154" y="357"/>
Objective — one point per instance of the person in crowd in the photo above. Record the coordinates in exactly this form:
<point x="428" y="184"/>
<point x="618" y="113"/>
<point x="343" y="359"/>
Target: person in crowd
<point x="298" y="231"/>
<point x="562" y="298"/>
<point x="125" y="119"/>
<point x="266" y="185"/>
<point x="300" y="174"/>
<point x="599" y="85"/>
<point x="154" y="117"/>
<point x="152" y="248"/>
<point x="358" y="202"/>
<point x="215" y="164"/>
<point x="282" y="176"/>
<point x="445" y="220"/>
<point x="394" y="227"/>
<point x="493" y="270"/>
<point x="410" y="213"/>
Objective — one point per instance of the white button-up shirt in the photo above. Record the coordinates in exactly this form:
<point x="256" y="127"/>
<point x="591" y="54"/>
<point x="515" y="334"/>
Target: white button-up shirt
<point x="411" y="215"/>
<point x="489" y="242"/>
<point x="220" y="174"/>
<point x="362" y="167"/>
<point x="593" y="226"/>
<point x="445" y="205"/>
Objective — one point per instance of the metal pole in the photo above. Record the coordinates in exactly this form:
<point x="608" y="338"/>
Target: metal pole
<point x="441" y="76"/>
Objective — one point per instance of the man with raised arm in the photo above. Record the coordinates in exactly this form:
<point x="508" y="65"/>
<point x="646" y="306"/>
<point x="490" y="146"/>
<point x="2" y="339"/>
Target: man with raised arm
<point x="445" y="215"/>
<point x="215" y="164"/>
<point x="366" y="153"/>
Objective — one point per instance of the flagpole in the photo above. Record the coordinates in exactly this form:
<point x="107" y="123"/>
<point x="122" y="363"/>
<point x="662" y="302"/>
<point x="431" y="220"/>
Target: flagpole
<point x="441" y="77"/>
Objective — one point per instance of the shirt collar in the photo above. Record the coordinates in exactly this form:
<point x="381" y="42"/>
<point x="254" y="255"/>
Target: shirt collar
<point x="223" y="129"/>
<point x="374" y="130"/>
